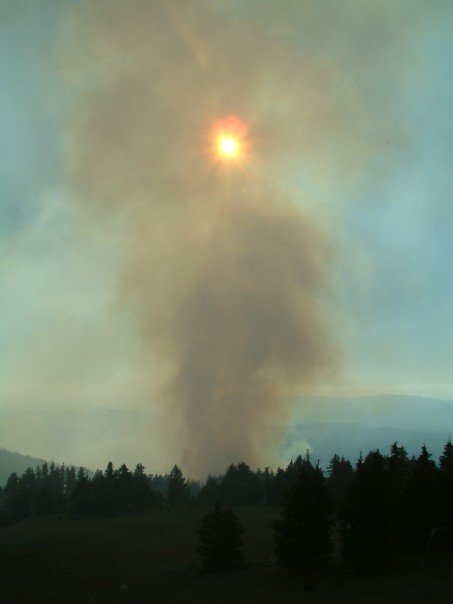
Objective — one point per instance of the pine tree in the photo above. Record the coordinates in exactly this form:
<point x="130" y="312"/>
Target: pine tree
<point x="177" y="490"/>
<point x="81" y="498"/>
<point x="220" y="536"/>
<point x="210" y="491"/>
<point x="303" y="534"/>
<point x="341" y="475"/>
<point x="123" y="487"/>
<point x="17" y="505"/>
<point x="110" y="478"/>
<point x="44" y="503"/>
<point x="422" y="502"/>
<point x="446" y="485"/>
<point x="366" y="531"/>
<point x="240" y="486"/>
<point x="141" y="490"/>
<point x="101" y="504"/>
<point x="398" y="470"/>
<point x="70" y="481"/>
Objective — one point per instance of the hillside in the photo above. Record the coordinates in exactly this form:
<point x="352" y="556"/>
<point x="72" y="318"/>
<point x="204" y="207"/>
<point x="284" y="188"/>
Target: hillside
<point x="15" y="462"/>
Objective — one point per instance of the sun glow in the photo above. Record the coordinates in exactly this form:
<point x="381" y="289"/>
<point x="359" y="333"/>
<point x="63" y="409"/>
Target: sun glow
<point x="228" y="145"/>
<point x="229" y="140"/>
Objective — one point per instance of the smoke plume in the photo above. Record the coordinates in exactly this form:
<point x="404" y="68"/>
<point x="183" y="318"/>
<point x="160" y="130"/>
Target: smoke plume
<point x="223" y="272"/>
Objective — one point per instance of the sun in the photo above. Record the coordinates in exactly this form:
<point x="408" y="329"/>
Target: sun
<point x="228" y="146"/>
<point x="229" y="140"/>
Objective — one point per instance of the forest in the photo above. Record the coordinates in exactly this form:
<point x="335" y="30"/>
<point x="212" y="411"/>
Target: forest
<point x="383" y="507"/>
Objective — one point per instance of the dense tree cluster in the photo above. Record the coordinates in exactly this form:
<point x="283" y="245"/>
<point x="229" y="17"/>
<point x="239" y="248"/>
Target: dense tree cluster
<point x="242" y="486"/>
<point x="397" y="505"/>
<point x="114" y="492"/>
<point x="51" y="489"/>
<point x="303" y="534"/>
<point x="220" y="536"/>
<point x="387" y="505"/>
<point x="45" y="490"/>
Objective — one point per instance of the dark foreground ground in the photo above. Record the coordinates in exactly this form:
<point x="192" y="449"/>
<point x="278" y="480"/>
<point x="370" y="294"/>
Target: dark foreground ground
<point x="152" y="558"/>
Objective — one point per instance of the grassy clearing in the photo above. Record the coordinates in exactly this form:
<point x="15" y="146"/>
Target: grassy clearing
<point x="152" y="558"/>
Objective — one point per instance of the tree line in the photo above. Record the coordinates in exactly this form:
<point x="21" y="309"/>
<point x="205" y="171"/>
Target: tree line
<point x="385" y="505"/>
<point x="389" y="506"/>
<point x="53" y="489"/>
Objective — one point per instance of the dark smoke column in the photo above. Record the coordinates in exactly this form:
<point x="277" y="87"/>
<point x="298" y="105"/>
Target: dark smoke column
<point x="247" y="331"/>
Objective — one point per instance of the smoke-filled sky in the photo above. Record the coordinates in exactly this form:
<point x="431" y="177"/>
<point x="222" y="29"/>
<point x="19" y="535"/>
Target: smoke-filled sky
<point x="140" y="269"/>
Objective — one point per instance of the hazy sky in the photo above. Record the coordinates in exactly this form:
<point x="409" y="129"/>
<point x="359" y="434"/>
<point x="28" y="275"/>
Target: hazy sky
<point x="366" y="155"/>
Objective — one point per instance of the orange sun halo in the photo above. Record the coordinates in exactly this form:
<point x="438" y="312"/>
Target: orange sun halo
<point x="229" y="139"/>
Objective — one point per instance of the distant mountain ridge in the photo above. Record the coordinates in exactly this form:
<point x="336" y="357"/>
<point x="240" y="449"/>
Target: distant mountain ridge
<point x="15" y="462"/>
<point x="407" y="412"/>
<point x="351" y="439"/>
<point x="92" y="436"/>
<point x="348" y="425"/>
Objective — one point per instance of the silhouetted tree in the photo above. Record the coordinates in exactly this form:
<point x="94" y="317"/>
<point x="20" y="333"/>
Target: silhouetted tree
<point x="366" y="532"/>
<point x="267" y="484"/>
<point x="194" y="487"/>
<point x="101" y="503"/>
<point x="44" y="502"/>
<point x="159" y="483"/>
<point x="81" y="497"/>
<point x="109" y="485"/>
<point x="303" y="534"/>
<point x="140" y="488"/>
<point x="341" y="474"/>
<point x="220" y="536"/>
<point x="29" y="485"/>
<point x="177" y="491"/>
<point x="422" y="501"/>
<point x="210" y="491"/>
<point x="17" y="500"/>
<point x="110" y="472"/>
<point x="287" y="478"/>
<point x="446" y="485"/>
<point x="399" y="471"/>
<point x="44" y="471"/>
<point x="399" y="465"/>
<point x="240" y="486"/>
<point x="122" y="491"/>
<point x="55" y="486"/>
<point x="70" y="480"/>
